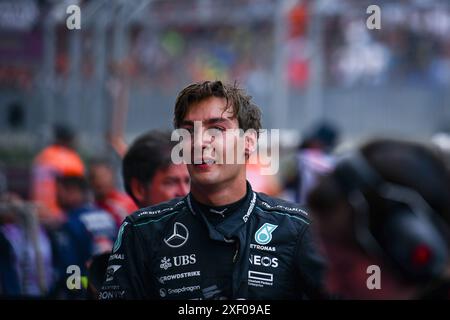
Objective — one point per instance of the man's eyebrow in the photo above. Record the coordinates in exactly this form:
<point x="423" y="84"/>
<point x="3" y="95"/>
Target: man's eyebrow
<point x="206" y="121"/>
<point x="216" y="120"/>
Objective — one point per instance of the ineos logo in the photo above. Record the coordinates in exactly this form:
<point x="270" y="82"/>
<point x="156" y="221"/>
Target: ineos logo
<point x="263" y="261"/>
<point x="178" y="237"/>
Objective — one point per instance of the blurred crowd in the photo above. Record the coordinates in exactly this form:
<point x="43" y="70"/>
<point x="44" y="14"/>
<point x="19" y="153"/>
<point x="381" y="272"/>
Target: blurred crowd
<point x="73" y="213"/>
<point x="413" y="47"/>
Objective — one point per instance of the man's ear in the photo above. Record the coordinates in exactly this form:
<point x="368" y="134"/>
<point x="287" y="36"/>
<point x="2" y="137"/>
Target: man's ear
<point x="251" y="142"/>
<point x="137" y="189"/>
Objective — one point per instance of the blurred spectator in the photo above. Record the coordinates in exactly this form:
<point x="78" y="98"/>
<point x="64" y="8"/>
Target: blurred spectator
<point x="388" y="206"/>
<point x="88" y="231"/>
<point x="314" y="158"/>
<point x="148" y="172"/>
<point x="59" y="158"/>
<point x="107" y="196"/>
<point x="25" y="251"/>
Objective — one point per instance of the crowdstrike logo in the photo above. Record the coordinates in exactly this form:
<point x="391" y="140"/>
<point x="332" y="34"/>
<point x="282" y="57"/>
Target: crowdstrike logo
<point x="164" y="279"/>
<point x="178" y="237"/>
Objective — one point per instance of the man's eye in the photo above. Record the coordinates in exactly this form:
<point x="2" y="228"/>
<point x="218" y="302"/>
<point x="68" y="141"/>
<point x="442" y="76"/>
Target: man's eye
<point x="169" y="182"/>
<point x="219" y="128"/>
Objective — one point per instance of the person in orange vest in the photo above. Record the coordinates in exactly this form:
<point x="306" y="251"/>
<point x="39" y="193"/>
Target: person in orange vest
<point x="60" y="158"/>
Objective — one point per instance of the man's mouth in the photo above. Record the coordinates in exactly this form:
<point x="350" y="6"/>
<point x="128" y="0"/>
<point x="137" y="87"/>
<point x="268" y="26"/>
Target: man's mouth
<point x="209" y="161"/>
<point x="204" y="163"/>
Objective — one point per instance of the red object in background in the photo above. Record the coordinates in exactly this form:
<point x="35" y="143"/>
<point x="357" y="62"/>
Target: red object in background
<point x="118" y="204"/>
<point x="267" y="184"/>
<point x="298" y="73"/>
<point x="298" y="17"/>
<point x="421" y="255"/>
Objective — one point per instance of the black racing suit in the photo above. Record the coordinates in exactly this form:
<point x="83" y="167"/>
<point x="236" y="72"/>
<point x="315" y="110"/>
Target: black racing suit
<point x="263" y="250"/>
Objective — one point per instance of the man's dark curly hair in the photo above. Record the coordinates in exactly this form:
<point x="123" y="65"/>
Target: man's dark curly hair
<point x="247" y="113"/>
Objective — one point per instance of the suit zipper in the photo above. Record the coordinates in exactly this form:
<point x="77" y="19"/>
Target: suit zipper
<point x="236" y="254"/>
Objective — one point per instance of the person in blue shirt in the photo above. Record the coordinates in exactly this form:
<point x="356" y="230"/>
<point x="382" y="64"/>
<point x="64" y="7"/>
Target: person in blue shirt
<point x="88" y="230"/>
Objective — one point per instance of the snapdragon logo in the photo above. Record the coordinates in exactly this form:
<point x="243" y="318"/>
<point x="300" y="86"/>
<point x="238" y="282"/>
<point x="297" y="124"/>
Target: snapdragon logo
<point x="182" y="290"/>
<point x="231" y="146"/>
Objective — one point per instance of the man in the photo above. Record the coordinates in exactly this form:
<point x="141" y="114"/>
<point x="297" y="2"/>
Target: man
<point x="88" y="231"/>
<point x="60" y="158"/>
<point x="25" y="250"/>
<point x="221" y="241"/>
<point x="149" y="178"/>
<point x="383" y="218"/>
<point x="149" y="175"/>
<point x="314" y="158"/>
<point x="107" y="197"/>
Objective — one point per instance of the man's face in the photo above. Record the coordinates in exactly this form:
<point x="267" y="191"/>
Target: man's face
<point x="68" y="197"/>
<point x="204" y="169"/>
<point x="167" y="183"/>
<point x="101" y="179"/>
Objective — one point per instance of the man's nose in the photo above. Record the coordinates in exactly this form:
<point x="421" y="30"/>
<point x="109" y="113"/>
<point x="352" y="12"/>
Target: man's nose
<point x="197" y="139"/>
<point x="201" y="138"/>
<point x="201" y="142"/>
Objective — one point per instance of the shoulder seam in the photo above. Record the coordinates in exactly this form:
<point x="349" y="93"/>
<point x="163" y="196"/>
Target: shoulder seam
<point x="153" y="220"/>
<point x="282" y="207"/>
<point x="155" y="214"/>
<point x="293" y="216"/>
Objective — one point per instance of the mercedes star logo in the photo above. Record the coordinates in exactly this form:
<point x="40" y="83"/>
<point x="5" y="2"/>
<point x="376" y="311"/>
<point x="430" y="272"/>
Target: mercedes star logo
<point x="179" y="236"/>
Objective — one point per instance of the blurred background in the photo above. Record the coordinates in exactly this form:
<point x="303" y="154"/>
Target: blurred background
<point x="304" y="62"/>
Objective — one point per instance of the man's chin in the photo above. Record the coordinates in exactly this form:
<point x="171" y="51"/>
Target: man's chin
<point x="204" y="178"/>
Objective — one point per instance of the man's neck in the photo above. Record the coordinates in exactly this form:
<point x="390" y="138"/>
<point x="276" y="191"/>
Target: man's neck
<point x="222" y="195"/>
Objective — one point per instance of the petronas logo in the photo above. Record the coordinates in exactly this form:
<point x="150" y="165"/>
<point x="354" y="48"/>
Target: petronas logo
<point x="264" y="234"/>
<point x="118" y="242"/>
